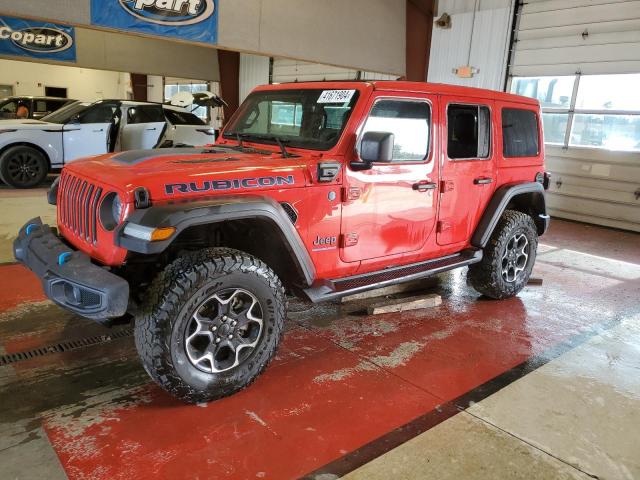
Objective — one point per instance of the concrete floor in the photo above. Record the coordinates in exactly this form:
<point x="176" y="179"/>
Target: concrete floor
<point x="545" y="385"/>
<point x="18" y="206"/>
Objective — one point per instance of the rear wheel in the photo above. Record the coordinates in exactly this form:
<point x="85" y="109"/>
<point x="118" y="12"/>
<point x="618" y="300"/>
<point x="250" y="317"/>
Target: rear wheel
<point x="23" y="167"/>
<point x="508" y="257"/>
<point x="212" y="323"/>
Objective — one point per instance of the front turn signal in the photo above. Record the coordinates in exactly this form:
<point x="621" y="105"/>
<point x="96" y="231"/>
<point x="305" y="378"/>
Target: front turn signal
<point x="148" y="234"/>
<point x="163" y="233"/>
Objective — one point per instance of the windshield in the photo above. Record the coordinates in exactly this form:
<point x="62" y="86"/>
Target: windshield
<point x="65" y="114"/>
<point x="304" y="118"/>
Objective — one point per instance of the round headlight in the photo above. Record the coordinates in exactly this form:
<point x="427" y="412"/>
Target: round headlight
<point x="111" y="211"/>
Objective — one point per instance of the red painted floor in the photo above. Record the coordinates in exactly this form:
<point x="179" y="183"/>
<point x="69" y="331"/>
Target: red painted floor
<point x="340" y="380"/>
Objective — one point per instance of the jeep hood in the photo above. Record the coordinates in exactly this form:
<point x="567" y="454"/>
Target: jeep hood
<point x="190" y="172"/>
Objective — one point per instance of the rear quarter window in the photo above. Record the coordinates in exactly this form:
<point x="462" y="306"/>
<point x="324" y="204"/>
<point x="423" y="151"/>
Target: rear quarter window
<point x="520" y="135"/>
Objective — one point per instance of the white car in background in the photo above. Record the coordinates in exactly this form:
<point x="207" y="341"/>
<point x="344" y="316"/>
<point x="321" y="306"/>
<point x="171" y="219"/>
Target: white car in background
<point x="29" y="149"/>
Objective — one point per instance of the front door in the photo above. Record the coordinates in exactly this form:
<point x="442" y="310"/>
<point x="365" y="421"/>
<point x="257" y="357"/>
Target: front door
<point x="88" y="133"/>
<point x="468" y="175"/>
<point x="390" y="209"/>
<point x="145" y="124"/>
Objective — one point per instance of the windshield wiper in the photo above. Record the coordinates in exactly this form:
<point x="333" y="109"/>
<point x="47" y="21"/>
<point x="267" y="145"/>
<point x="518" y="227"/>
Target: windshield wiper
<point x="274" y="138"/>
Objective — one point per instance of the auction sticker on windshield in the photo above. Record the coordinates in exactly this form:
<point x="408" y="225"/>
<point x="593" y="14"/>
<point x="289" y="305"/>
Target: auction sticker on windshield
<point x="336" y="96"/>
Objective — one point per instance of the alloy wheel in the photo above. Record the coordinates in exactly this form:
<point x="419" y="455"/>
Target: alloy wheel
<point x="224" y="330"/>
<point x="23" y="167"/>
<point x="515" y="257"/>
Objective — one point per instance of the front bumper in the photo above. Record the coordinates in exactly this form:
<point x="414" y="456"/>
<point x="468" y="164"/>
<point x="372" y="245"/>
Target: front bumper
<point x="68" y="276"/>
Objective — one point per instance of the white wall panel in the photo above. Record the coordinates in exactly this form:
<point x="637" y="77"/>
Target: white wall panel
<point x="479" y="40"/>
<point x="81" y="83"/>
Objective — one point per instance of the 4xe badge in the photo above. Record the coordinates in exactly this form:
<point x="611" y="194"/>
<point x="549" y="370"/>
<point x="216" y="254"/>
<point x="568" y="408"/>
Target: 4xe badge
<point x="170" y="12"/>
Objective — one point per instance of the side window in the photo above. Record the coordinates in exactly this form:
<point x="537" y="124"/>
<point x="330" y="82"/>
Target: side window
<point x="9" y="107"/>
<point x="145" y="114"/>
<point x="468" y="131"/>
<point x="410" y="123"/>
<point x="53" y="105"/>
<point x="520" y="136"/>
<point x="286" y="117"/>
<point x="102" y="113"/>
<point x="40" y="106"/>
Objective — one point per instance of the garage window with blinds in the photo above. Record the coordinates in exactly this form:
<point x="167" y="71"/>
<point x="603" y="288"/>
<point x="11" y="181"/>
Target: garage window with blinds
<point x="597" y="111"/>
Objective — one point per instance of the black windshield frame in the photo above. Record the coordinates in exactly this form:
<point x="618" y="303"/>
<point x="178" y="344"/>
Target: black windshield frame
<point x="316" y="130"/>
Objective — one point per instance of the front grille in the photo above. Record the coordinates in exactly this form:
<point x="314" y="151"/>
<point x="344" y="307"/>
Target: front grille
<point x="78" y="204"/>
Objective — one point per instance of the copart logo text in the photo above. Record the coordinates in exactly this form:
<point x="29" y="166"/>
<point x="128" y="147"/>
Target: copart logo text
<point x="170" y="12"/>
<point x="38" y="39"/>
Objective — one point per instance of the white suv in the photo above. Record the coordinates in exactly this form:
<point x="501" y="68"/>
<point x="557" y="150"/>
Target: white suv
<point x="29" y="149"/>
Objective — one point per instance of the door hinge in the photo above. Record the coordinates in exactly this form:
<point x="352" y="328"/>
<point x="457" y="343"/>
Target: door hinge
<point x="351" y="193"/>
<point x="446" y="186"/>
<point x="443" y="226"/>
<point x="349" y="239"/>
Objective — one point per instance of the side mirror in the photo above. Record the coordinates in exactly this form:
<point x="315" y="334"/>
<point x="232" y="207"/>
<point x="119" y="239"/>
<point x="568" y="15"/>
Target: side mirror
<point x="75" y="118"/>
<point x="374" y="147"/>
<point x="377" y="147"/>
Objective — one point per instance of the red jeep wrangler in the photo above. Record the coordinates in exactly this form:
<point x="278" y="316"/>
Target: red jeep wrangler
<point x="325" y="189"/>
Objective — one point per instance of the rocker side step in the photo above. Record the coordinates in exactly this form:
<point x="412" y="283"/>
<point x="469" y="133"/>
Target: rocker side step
<point x="333" y="289"/>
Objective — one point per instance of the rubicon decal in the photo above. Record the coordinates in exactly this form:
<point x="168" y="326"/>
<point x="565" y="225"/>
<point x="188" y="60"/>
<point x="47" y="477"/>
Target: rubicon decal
<point x="38" y="39"/>
<point x="235" y="184"/>
<point x="170" y="12"/>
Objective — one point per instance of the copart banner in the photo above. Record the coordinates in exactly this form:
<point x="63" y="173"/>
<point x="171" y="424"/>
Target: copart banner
<point x="192" y="20"/>
<point x="28" y="38"/>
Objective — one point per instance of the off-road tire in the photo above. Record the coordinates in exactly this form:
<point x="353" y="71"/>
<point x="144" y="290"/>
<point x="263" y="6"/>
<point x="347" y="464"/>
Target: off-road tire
<point x="174" y="296"/>
<point x="35" y="162"/>
<point x="486" y="276"/>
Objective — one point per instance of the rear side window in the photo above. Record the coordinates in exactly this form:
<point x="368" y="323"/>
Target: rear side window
<point x="40" y="106"/>
<point x="520" y="136"/>
<point x="182" y="118"/>
<point x="468" y="132"/>
<point x="100" y="113"/>
<point x="410" y="123"/>
<point x="145" y="114"/>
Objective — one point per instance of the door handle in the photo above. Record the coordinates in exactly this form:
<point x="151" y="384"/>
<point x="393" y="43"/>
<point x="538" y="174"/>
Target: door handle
<point x="151" y="129"/>
<point x="482" y="180"/>
<point x="99" y="130"/>
<point x="424" y="186"/>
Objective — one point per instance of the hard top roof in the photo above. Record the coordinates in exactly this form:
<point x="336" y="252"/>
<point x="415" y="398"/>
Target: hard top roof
<point x="406" y="86"/>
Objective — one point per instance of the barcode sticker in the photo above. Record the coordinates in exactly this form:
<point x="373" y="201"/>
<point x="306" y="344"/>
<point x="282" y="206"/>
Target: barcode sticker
<point x="335" y="96"/>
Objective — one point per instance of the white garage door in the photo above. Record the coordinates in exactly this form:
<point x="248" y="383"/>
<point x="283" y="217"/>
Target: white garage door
<point x="581" y="59"/>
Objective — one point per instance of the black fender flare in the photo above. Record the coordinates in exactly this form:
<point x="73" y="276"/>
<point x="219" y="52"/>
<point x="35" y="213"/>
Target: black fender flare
<point x="188" y="213"/>
<point x="533" y="191"/>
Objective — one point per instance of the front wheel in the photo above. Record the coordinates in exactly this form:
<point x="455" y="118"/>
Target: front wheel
<point x="23" y="167"/>
<point x="508" y="257"/>
<point x="212" y="322"/>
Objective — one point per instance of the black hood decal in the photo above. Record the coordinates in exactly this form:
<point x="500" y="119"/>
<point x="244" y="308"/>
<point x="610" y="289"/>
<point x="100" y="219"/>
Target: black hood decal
<point x="135" y="157"/>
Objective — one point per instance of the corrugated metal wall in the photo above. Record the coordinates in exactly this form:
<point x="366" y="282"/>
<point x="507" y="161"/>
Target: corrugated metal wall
<point x="254" y="71"/>
<point x="479" y="37"/>
<point x="566" y="37"/>
<point x="285" y="70"/>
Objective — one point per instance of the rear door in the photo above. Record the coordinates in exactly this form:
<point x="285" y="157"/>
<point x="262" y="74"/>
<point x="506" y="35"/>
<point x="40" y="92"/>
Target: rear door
<point x="144" y="126"/>
<point x="468" y="167"/>
<point x="185" y="128"/>
<point x="390" y="209"/>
